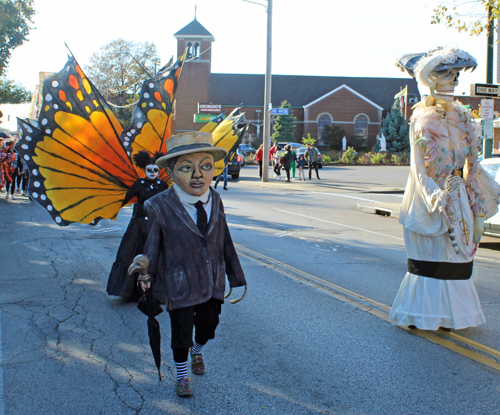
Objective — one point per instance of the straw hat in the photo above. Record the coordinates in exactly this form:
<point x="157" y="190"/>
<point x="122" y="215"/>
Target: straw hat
<point x="192" y="142"/>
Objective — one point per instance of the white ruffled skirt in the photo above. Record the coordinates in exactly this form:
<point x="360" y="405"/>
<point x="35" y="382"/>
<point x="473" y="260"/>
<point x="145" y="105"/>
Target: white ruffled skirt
<point x="429" y="303"/>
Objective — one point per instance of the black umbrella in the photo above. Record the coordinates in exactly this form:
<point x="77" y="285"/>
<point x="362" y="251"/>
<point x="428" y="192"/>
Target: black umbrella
<point x="150" y="306"/>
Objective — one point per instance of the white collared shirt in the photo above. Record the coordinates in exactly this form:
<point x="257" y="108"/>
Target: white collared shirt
<point x="188" y="202"/>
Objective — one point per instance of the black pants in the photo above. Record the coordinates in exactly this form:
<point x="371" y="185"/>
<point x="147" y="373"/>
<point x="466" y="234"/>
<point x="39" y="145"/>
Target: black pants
<point x="12" y="185"/>
<point x="203" y="317"/>
<point x="315" y="165"/>
<point x="260" y="168"/>
<point x="22" y="181"/>
<point x="277" y="169"/>
<point x="287" y="174"/>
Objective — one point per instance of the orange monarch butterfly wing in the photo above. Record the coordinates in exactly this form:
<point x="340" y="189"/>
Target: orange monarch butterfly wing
<point x="152" y="117"/>
<point x="80" y="170"/>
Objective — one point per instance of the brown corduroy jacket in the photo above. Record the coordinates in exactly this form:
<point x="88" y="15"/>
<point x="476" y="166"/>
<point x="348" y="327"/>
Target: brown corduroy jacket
<point x="186" y="267"/>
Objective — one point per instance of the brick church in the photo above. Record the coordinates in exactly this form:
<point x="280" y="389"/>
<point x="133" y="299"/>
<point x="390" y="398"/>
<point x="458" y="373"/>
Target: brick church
<point x="356" y="104"/>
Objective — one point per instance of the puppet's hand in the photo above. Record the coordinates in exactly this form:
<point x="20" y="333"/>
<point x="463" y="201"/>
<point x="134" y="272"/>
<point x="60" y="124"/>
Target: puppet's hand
<point x="145" y="285"/>
<point x="478" y="228"/>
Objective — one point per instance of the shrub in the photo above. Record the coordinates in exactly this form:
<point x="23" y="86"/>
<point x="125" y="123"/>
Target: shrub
<point x="365" y="158"/>
<point x="378" y="158"/>
<point x="326" y="159"/>
<point x="349" y="156"/>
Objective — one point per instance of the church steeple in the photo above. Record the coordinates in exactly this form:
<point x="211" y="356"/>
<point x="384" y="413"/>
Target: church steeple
<point x="196" y="39"/>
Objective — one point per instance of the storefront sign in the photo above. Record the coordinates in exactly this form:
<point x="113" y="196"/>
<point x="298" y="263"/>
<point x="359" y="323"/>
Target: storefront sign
<point x="210" y="108"/>
<point x="204" y="117"/>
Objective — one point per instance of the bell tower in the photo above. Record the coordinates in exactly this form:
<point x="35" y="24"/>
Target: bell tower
<point x="194" y="85"/>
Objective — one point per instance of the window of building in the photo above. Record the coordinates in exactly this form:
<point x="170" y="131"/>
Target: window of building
<point x="196" y="51"/>
<point x="189" y="47"/>
<point x="323" y="119"/>
<point x="361" y="125"/>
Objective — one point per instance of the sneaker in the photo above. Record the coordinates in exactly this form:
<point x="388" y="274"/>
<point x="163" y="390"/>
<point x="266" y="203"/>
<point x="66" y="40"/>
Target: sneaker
<point x="12" y="197"/>
<point x="183" y="387"/>
<point x="18" y="191"/>
<point x="279" y="178"/>
<point x="2" y="190"/>
<point x="7" y="196"/>
<point x="25" y="194"/>
<point x="197" y="364"/>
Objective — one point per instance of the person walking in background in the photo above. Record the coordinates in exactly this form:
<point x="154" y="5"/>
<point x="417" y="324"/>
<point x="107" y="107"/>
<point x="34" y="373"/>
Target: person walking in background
<point x="3" y="167"/>
<point x="22" y="177"/>
<point x="11" y="163"/>
<point x="287" y="161"/>
<point x="259" y="158"/>
<point x="294" y="162"/>
<point x="311" y="156"/>
<point x="220" y="176"/>
<point x="273" y="155"/>
<point x="301" y="163"/>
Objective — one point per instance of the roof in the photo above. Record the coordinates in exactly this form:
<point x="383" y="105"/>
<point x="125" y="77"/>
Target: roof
<point x="194" y="29"/>
<point x="350" y="90"/>
<point x="299" y="90"/>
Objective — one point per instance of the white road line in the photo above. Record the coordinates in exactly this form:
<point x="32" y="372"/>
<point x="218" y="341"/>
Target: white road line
<point x="2" y="403"/>
<point x="355" y="197"/>
<point x="339" y="224"/>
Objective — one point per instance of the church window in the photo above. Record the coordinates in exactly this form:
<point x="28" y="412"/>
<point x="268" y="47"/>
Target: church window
<point x="361" y="125"/>
<point x="189" y="50"/>
<point x="323" y="119"/>
<point x="196" y="51"/>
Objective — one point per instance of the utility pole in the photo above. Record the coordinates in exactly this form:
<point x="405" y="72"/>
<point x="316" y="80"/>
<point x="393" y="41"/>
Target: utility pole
<point x="267" y="89"/>
<point x="488" y="143"/>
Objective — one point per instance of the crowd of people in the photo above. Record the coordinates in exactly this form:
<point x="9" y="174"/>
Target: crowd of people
<point x="14" y="173"/>
<point x="289" y="161"/>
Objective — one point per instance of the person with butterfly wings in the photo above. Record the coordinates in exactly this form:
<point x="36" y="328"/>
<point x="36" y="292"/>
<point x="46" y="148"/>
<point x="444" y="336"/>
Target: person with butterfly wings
<point x="120" y="283"/>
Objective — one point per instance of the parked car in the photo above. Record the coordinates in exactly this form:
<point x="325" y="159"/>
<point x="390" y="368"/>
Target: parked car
<point x="281" y="146"/>
<point x="235" y="165"/>
<point x="492" y="166"/>
<point x="302" y="150"/>
<point x="246" y="149"/>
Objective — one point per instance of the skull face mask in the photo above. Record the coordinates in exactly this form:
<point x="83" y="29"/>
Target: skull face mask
<point x="152" y="171"/>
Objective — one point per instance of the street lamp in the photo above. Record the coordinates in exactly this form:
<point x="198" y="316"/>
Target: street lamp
<point x="267" y="89"/>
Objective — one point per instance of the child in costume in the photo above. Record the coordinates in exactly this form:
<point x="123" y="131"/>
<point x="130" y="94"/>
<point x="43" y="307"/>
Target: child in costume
<point x="447" y="198"/>
<point x="134" y="238"/>
<point x="190" y="250"/>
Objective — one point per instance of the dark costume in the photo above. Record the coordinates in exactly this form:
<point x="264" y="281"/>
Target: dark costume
<point x="132" y="244"/>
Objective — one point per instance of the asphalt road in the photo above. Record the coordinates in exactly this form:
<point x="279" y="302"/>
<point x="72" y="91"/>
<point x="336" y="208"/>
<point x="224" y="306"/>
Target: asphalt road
<point x="292" y="346"/>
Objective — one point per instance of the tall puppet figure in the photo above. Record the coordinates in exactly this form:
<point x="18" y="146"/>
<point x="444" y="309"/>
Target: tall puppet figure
<point x="447" y="198"/>
<point x="132" y="244"/>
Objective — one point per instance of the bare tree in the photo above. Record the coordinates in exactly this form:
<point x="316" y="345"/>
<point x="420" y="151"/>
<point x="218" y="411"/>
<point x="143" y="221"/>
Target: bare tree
<point x="118" y="71"/>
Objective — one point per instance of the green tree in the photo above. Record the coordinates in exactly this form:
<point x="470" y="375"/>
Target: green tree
<point x="13" y="93"/>
<point x="467" y="15"/>
<point x="333" y="135"/>
<point x="15" y="19"/>
<point x="395" y="129"/>
<point x="308" y="140"/>
<point x="118" y="71"/>
<point x="284" y="127"/>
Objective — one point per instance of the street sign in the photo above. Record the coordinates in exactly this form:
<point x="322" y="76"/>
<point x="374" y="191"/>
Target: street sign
<point x="484" y="90"/>
<point x="279" y="111"/>
<point x="204" y="117"/>
<point x="487" y="107"/>
<point x="209" y="108"/>
<point x="487" y="129"/>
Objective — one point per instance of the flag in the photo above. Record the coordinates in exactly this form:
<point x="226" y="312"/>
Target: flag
<point x="401" y="93"/>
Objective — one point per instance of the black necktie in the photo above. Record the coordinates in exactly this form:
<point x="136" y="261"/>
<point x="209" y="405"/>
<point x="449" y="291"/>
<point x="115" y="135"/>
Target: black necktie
<point x="201" y="217"/>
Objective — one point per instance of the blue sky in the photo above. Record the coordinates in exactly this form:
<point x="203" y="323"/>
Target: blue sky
<point x="313" y="37"/>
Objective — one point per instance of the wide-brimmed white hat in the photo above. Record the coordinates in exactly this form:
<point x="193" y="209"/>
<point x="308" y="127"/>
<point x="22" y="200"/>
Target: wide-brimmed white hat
<point x="191" y="142"/>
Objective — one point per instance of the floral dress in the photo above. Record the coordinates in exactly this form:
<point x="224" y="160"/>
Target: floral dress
<point x="437" y="290"/>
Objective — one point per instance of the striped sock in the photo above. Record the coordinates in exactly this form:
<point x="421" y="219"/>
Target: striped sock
<point x="182" y="370"/>
<point x="197" y="348"/>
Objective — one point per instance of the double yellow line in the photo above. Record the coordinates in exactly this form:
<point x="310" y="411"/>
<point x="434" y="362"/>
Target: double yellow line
<point x="469" y="348"/>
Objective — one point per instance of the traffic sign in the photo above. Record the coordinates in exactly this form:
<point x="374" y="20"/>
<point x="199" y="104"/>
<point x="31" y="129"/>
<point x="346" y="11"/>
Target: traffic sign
<point x="279" y="111"/>
<point x="487" y="107"/>
<point x="484" y="90"/>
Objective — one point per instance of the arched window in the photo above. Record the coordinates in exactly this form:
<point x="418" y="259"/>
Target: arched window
<point x="361" y="125"/>
<point x="323" y="119"/>
<point x="189" y="50"/>
<point x="196" y="50"/>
